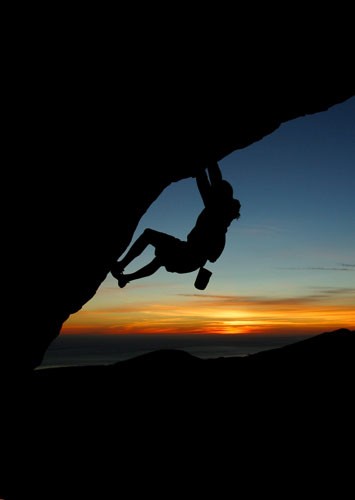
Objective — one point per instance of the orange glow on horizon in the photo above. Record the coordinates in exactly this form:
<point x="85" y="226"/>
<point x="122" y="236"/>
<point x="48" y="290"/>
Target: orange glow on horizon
<point x="202" y="314"/>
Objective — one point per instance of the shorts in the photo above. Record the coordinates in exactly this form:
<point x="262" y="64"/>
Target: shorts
<point x="178" y="256"/>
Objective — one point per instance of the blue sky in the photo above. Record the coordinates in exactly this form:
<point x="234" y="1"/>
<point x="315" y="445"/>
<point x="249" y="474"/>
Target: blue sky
<point x="294" y="241"/>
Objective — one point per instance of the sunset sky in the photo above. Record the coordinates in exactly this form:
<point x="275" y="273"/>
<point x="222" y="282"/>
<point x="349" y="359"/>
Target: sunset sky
<point x="289" y="263"/>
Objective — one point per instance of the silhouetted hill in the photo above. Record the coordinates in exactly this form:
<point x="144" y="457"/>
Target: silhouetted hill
<point x="139" y="423"/>
<point x="330" y="354"/>
<point x="321" y="352"/>
<point x="320" y="366"/>
<point x="324" y="346"/>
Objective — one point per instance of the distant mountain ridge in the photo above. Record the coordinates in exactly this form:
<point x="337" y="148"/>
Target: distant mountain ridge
<point x="336" y="346"/>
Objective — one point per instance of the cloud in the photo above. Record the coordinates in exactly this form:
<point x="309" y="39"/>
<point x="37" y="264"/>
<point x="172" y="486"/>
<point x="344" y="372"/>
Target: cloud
<point x="333" y="291"/>
<point x="342" y="267"/>
<point x="318" y="294"/>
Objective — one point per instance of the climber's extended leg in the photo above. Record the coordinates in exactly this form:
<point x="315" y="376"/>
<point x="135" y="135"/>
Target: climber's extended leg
<point x="148" y="237"/>
<point x="145" y="271"/>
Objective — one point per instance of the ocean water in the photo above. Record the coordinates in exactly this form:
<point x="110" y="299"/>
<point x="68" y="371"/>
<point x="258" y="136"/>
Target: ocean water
<point x="76" y="350"/>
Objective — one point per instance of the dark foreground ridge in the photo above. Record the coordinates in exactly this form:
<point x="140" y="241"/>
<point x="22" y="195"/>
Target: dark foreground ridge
<point x="139" y="423"/>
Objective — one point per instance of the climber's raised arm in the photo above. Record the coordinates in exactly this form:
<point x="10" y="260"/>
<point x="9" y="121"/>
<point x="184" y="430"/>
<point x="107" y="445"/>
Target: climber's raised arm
<point x="203" y="185"/>
<point x="214" y="173"/>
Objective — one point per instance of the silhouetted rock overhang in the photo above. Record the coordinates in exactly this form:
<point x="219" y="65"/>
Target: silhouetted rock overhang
<point x="94" y="157"/>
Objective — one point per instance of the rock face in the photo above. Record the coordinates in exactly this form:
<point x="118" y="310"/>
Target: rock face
<point x="92" y="156"/>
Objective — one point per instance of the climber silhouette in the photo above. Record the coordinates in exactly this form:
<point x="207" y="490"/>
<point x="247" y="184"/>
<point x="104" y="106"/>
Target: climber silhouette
<point x="204" y="243"/>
